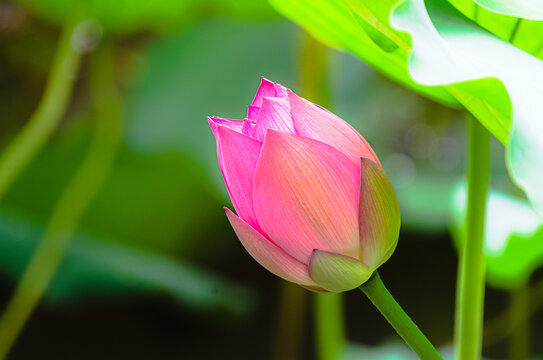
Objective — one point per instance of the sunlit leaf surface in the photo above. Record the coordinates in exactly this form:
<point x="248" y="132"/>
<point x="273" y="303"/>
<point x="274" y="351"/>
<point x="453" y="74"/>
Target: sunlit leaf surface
<point x="528" y="9"/>
<point x="449" y="49"/>
<point x="514" y="27"/>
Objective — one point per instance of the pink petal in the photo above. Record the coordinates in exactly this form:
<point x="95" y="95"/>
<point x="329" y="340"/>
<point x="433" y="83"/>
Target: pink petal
<point x="266" y="89"/>
<point x="238" y="155"/>
<point x="280" y="91"/>
<point x="252" y="112"/>
<point x="248" y="128"/>
<point x="274" y="114"/>
<point x="273" y="258"/>
<point x="236" y="125"/>
<point x="306" y="196"/>
<point x="316" y="123"/>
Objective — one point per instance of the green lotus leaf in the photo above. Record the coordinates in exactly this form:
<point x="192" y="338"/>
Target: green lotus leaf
<point x="512" y="20"/>
<point x="527" y="9"/>
<point x="333" y="23"/>
<point x="449" y="49"/>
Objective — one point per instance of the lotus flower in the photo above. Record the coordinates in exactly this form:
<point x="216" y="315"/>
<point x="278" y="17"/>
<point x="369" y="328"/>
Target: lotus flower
<point x="312" y="201"/>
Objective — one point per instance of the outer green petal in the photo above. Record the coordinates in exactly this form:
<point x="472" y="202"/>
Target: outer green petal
<point x="337" y="273"/>
<point x="379" y="215"/>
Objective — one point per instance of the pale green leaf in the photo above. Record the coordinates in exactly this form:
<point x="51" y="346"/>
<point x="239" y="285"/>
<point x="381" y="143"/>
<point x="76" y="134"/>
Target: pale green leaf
<point x="449" y="49"/>
<point x="527" y="9"/>
<point x="523" y="33"/>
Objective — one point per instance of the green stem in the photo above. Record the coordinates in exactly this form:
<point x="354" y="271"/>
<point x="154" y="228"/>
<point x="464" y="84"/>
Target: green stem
<point x="329" y="328"/>
<point x="519" y="320"/>
<point x="313" y="70"/>
<point x="376" y="291"/>
<point x="290" y="321"/>
<point x="471" y="269"/>
<point x="71" y="205"/>
<point x="48" y="114"/>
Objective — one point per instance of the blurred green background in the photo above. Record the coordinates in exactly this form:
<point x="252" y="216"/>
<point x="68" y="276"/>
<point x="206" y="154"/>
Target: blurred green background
<point x="153" y="270"/>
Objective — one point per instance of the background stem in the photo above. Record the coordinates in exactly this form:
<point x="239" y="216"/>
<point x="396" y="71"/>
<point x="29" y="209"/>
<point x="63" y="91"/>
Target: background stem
<point x="519" y="319"/>
<point x="376" y="291"/>
<point x="71" y="205"/>
<point x="471" y="276"/>
<point x="502" y="326"/>
<point x="328" y="308"/>
<point x="329" y="327"/>
<point x="290" y="321"/>
<point x="48" y="114"/>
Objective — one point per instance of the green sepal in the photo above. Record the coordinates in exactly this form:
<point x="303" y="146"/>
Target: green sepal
<point x="379" y="215"/>
<point x="337" y="273"/>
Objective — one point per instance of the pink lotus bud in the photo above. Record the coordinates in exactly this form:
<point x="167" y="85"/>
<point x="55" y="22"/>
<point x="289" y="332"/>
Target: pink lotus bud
<point x="313" y="203"/>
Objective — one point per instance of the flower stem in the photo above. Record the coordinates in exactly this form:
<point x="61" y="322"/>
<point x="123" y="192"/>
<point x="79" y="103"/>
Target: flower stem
<point x="471" y="276"/>
<point x="329" y="329"/>
<point x="48" y="114"/>
<point x="376" y="291"/>
<point x="72" y="204"/>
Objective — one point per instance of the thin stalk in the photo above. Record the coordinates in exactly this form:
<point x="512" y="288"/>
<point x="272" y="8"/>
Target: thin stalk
<point x="502" y="325"/>
<point x="471" y="276"/>
<point x="72" y="204"/>
<point x="313" y="70"/>
<point x="290" y="321"/>
<point x="48" y="114"/>
<point x="376" y="291"/>
<point x="329" y="326"/>
<point x="519" y="320"/>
